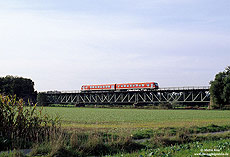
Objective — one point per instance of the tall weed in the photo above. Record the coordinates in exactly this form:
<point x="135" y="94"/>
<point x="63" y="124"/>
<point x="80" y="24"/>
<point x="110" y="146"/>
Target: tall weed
<point x="21" y="125"/>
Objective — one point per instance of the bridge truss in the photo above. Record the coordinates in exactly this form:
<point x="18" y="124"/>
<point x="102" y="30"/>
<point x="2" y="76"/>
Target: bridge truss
<point x="195" y="95"/>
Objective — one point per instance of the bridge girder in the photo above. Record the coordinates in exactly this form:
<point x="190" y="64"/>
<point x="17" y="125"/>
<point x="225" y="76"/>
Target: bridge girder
<point x="131" y="97"/>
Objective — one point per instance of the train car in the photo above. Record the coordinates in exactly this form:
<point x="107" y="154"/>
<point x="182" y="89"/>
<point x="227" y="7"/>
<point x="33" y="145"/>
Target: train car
<point x="98" y="87"/>
<point x="138" y="86"/>
<point x="123" y="86"/>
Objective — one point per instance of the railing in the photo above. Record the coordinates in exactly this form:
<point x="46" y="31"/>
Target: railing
<point x="71" y="91"/>
<point x="185" y="88"/>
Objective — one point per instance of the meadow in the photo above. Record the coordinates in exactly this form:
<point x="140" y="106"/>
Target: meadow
<point x="112" y="131"/>
<point x="137" y="118"/>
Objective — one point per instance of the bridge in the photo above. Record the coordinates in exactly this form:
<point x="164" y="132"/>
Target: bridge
<point x="187" y="95"/>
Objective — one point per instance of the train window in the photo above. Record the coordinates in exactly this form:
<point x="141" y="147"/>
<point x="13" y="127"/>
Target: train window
<point x="121" y="85"/>
<point x="118" y="86"/>
<point x="103" y="86"/>
<point x="148" y="85"/>
<point x="100" y="86"/>
<point x="108" y="86"/>
<point x="127" y="85"/>
<point x="143" y="85"/>
<point x="112" y="86"/>
<point x="124" y="85"/>
<point x="136" y="85"/>
<point x="139" y="85"/>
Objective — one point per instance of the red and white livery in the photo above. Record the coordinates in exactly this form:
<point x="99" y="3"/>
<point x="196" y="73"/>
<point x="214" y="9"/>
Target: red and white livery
<point x="121" y="86"/>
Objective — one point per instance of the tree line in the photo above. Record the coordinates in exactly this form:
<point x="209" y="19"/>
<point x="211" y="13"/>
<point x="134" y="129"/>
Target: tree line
<point x="19" y="86"/>
<point x="220" y="90"/>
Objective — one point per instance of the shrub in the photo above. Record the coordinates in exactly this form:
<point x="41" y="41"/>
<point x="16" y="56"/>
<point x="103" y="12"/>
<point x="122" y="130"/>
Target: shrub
<point x="141" y="134"/>
<point x="165" y="106"/>
<point x="21" y="126"/>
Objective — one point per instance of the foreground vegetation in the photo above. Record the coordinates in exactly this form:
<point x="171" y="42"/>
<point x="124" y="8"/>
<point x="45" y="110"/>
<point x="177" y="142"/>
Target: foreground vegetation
<point x="21" y="126"/>
<point x="110" y="132"/>
<point x="159" y="142"/>
<point x="206" y="148"/>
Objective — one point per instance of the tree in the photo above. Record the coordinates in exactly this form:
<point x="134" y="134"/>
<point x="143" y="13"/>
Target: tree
<point x="19" y="86"/>
<point x="220" y="89"/>
<point x="42" y="99"/>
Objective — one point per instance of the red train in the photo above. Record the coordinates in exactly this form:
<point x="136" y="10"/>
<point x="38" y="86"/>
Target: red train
<point x="121" y="86"/>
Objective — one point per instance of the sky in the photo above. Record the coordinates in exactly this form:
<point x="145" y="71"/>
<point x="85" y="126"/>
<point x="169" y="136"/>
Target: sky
<point x="62" y="45"/>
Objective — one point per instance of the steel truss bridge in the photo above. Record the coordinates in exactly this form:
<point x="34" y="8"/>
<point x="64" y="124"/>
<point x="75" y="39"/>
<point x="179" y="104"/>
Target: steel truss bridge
<point x="192" y="95"/>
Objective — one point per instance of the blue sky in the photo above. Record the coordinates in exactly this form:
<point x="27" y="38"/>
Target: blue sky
<point x="61" y="45"/>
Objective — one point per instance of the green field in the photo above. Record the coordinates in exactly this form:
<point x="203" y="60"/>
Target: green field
<point x="137" y="118"/>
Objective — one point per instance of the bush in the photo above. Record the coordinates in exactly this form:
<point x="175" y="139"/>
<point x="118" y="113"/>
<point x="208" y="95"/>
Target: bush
<point x="165" y="106"/>
<point x="21" y="126"/>
<point x="141" y="134"/>
<point x="42" y="99"/>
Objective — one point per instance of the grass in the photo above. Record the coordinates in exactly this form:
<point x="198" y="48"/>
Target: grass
<point x="137" y="118"/>
<point x="133" y="132"/>
<point x="206" y="148"/>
